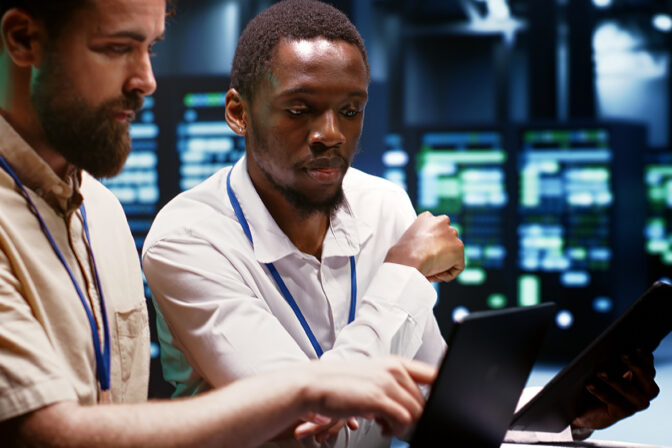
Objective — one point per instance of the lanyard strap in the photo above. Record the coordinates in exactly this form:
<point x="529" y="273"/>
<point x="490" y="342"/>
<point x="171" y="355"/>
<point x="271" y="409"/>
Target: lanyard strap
<point x="281" y="284"/>
<point x="102" y="356"/>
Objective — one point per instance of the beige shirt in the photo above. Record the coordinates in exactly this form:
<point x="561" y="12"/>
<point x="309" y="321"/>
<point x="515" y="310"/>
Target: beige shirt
<point x="46" y="348"/>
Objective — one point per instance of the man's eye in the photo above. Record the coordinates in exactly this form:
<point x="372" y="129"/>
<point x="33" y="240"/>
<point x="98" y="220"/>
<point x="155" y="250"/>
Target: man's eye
<point x="118" y="49"/>
<point x="297" y="112"/>
<point x="351" y="113"/>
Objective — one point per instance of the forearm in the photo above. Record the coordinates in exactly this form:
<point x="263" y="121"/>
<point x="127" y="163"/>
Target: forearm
<point x="391" y="317"/>
<point x="244" y="414"/>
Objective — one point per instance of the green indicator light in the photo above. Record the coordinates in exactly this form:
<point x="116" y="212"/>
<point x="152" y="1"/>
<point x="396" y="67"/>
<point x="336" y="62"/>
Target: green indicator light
<point x="215" y="99"/>
<point x="449" y="187"/>
<point x="667" y="257"/>
<point x="657" y="194"/>
<point x="482" y="157"/>
<point x="661" y="170"/>
<point x="577" y="253"/>
<point x="595" y="175"/>
<point x="530" y="192"/>
<point x="528" y="290"/>
<point x="657" y="246"/>
<point x="550" y="167"/>
<point x="656" y="222"/>
<point x="189" y="100"/>
<point x="472" y="276"/>
<point x="496" y="301"/>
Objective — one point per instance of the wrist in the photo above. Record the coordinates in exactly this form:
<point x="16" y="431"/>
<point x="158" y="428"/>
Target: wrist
<point x="403" y="256"/>
<point x="307" y="397"/>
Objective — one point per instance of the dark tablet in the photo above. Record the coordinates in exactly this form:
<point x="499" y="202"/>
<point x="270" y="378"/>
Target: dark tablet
<point x="485" y="368"/>
<point x="565" y="397"/>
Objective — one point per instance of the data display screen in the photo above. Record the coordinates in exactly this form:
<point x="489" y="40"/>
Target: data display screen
<point x="205" y="142"/>
<point x="545" y="215"/>
<point x="565" y="206"/>
<point x="658" y="230"/>
<point x="466" y="176"/>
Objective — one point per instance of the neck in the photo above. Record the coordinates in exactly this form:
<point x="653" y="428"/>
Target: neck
<point x="305" y="232"/>
<point x="17" y="109"/>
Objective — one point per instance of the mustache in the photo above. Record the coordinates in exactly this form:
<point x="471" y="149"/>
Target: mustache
<point x="130" y="101"/>
<point x="331" y="161"/>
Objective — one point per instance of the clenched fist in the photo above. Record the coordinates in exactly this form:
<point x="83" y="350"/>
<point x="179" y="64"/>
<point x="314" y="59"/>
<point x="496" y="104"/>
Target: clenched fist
<point x="431" y="246"/>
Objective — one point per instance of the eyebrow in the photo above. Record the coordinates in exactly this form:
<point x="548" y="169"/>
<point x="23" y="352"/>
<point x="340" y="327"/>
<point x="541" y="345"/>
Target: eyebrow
<point x="138" y="37"/>
<point x="311" y="91"/>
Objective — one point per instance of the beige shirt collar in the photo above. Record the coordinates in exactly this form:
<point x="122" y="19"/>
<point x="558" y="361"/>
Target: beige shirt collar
<point x="37" y="175"/>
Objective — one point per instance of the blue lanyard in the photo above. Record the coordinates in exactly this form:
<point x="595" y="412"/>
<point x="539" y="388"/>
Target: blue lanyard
<point x="281" y="284"/>
<point x="102" y="356"/>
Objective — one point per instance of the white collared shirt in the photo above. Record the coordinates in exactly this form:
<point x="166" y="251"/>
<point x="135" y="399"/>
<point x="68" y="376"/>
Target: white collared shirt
<point x="222" y="316"/>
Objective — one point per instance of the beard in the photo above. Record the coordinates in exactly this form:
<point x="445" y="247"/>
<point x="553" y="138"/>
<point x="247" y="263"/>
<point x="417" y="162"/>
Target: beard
<point x="304" y="204"/>
<point x="86" y="136"/>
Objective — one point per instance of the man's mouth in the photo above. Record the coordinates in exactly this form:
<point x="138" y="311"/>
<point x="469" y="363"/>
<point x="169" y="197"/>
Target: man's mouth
<point x="124" y="116"/>
<point x="326" y="170"/>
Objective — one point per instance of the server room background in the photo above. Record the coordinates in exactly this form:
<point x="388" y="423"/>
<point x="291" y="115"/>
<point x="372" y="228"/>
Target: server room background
<point x="541" y="127"/>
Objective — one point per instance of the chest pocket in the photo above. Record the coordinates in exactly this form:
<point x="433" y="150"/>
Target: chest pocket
<point x="132" y="346"/>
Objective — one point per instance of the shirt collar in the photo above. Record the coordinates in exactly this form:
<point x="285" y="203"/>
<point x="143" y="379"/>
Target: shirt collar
<point x="37" y="175"/>
<point x="344" y="237"/>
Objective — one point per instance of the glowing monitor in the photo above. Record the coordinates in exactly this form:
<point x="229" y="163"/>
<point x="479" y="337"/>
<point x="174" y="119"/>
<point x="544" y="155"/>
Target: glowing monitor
<point x="658" y="229"/>
<point x="577" y="219"/>
<point x="565" y="204"/>
<point x="205" y="142"/>
<point x="465" y="175"/>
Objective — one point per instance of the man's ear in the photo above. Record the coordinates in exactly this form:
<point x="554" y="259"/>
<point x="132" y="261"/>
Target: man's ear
<point x="236" y="112"/>
<point x="22" y="38"/>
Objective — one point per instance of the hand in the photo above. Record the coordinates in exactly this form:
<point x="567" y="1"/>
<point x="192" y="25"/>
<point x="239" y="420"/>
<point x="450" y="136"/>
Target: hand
<point x="431" y="246"/>
<point x="383" y="389"/>
<point x="618" y="398"/>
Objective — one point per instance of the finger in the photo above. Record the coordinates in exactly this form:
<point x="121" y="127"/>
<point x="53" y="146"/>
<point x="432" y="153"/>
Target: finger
<point x="353" y="423"/>
<point x="420" y="372"/>
<point x="619" y="401"/>
<point x="641" y="361"/>
<point x="409" y="395"/>
<point x="447" y="276"/>
<point x="306" y="429"/>
<point x="318" y="419"/>
<point x="631" y="390"/>
<point x="313" y="428"/>
<point x="330" y="432"/>
<point x="642" y="377"/>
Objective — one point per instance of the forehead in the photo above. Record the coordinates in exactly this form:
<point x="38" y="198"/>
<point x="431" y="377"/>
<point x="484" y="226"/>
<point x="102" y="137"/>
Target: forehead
<point x="318" y="60"/>
<point x="144" y="18"/>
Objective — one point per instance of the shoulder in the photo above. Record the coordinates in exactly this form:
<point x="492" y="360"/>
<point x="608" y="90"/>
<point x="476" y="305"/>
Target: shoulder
<point x="365" y="190"/>
<point x="98" y="196"/>
<point x="358" y="183"/>
<point x="195" y="211"/>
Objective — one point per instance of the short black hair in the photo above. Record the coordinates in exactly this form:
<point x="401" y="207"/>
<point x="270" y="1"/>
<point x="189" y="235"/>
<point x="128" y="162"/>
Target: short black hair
<point x="56" y="13"/>
<point x="292" y="20"/>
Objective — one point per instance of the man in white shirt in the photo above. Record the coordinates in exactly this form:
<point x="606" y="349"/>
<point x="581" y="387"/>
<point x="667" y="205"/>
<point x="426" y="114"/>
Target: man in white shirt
<point x="292" y="255"/>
